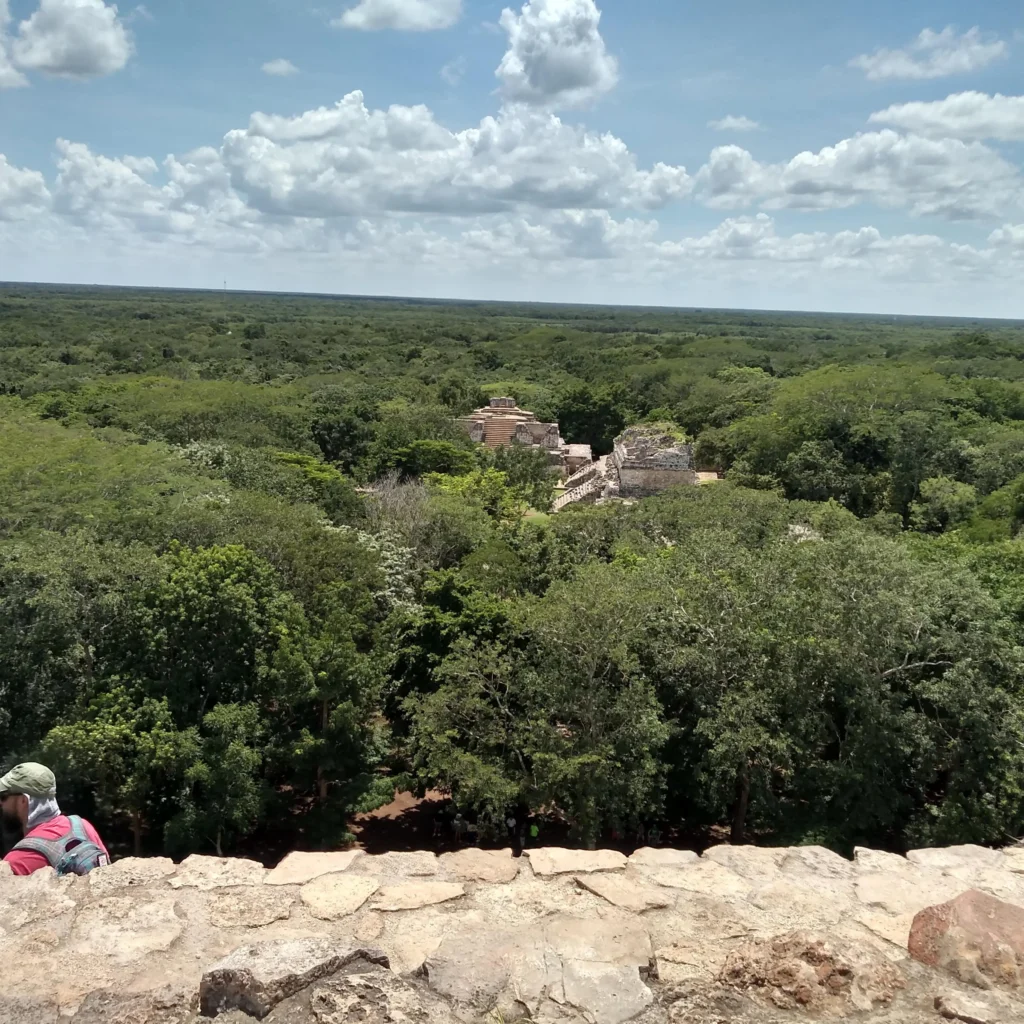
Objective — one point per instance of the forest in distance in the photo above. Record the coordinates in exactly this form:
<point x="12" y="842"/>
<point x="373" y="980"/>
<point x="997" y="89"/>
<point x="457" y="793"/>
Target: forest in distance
<point x="254" y="577"/>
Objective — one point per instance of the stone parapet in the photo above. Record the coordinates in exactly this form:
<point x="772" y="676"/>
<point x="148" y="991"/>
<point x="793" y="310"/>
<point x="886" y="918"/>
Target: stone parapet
<point x="662" y="936"/>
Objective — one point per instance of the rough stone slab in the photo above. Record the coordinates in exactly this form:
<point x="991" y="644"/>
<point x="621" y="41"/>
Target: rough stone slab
<point x="255" y="907"/>
<point x="705" y="877"/>
<point x="478" y="967"/>
<point x="555" y="860"/>
<point x="809" y="862"/>
<point x="945" y="858"/>
<point x="755" y="863"/>
<point x="413" y="895"/>
<point x="975" y="937"/>
<point x="36" y="898"/>
<point x="166" y="1006"/>
<point x="330" y="897"/>
<point x="907" y="892"/>
<point x="472" y="865"/>
<point x="298" y="868"/>
<point x="256" y="978"/>
<point x="133" y="872"/>
<point x="895" y="930"/>
<point x="375" y="996"/>
<point x="401" y="863"/>
<point x="1013" y="859"/>
<point x="615" y="939"/>
<point x="205" y="873"/>
<point x="968" y="1009"/>
<point x="126" y="928"/>
<point x="607" y="993"/>
<point x="662" y="857"/>
<point x="14" y="1010"/>
<point x="625" y="893"/>
<point x="878" y="860"/>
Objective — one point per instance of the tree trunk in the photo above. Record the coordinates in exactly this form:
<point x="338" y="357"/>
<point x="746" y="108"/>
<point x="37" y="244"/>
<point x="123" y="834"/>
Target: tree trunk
<point x="137" y="832"/>
<point x="739" y="813"/>
<point x="220" y="852"/>
<point x="321" y="777"/>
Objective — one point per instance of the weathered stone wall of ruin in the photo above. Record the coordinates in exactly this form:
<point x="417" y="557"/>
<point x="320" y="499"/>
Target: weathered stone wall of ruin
<point x="639" y="483"/>
<point x="742" y="935"/>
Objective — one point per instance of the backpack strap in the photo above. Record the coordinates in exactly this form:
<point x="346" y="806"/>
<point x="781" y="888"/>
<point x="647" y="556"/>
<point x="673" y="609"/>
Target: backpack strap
<point x="51" y="849"/>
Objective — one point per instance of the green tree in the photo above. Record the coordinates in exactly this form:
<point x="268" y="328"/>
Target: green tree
<point x="127" y="748"/>
<point x="225" y="792"/>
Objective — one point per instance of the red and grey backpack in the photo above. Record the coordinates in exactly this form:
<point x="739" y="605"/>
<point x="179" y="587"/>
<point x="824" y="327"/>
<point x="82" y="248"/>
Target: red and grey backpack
<point x="74" y="853"/>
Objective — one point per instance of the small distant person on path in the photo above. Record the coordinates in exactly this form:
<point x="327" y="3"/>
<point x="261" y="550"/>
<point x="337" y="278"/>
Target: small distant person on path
<point x="459" y="828"/>
<point x="68" y="844"/>
<point x="534" y="833"/>
<point x="510" y="825"/>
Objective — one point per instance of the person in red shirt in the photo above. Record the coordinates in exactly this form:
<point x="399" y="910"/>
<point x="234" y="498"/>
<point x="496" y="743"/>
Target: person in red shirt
<point x="28" y="803"/>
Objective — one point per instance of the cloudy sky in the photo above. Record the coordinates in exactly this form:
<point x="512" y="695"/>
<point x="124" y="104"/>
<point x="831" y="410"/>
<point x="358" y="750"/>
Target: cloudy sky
<point x="862" y="156"/>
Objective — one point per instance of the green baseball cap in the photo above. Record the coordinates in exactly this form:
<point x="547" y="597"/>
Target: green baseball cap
<point x="29" y="779"/>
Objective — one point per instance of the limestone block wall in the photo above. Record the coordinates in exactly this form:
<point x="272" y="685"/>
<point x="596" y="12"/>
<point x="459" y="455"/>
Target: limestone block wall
<point x="662" y="937"/>
<point x="638" y="482"/>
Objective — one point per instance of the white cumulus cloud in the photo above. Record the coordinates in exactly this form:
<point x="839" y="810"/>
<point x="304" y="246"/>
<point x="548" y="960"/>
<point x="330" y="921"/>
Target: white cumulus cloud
<point x="10" y="76"/>
<point x="556" y="55"/>
<point x="933" y="55"/>
<point x="401" y="15"/>
<point x="945" y="177"/>
<point x="350" y="160"/>
<point x="280" y="68"/>
<point x="77" y="39"/>
<point x="23" y="193"/>
<point x="734" y="123"/>
<point x="964" y="115"/>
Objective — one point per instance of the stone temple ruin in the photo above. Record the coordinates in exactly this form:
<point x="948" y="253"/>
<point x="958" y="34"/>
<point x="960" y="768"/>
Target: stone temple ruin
<point x="646" y="460"/>
<point x="503" y="422"/>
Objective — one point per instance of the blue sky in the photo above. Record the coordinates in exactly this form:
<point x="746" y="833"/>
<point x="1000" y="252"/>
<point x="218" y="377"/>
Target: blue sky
<point x="860" y="157"/>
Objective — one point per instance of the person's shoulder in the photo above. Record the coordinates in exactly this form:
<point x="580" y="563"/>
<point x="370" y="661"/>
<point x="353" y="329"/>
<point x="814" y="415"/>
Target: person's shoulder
<point x="25" y="862"/>
<point x="52" y="829"/>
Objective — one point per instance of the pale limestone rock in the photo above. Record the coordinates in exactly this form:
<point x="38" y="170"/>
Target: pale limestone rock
<point x="206" y="873"/>
<point x="477" y="967"/>
<point x="906" y="892"/>
<point x="253" y="907"/>
<point x="608" y="994"/>
<point x="401" y="864"/>
<point x="974" y="1009"/>
<point x="755" y="863"/>
<point x="166" y="1006"/>
<point x="410" y="938"/>
<point x="413" y="895"/>
<point x="127" y="928"/>
<point x="1013" y="859"/>
<point x="473" y="865"/>
<point x="815" y="862"/>
<point x="39" y="897"/>
<point x="554" y="860"/>
<point x="369" y="926"/>
<point x="877" y="860"/>
<point x="374" y="997"/>
<point x="14" y="1010"/>
<point x="945" y="858"/>
<point x="705" y="877"/>
<point x="801" y="906"/>
<point x="133" y="872"/>
<point x="330" y="897"/>
<point x="662" y="857"/>
<point x="299" y="867"/>
<point x="625" y="893"/>
<point x="256" y="978"/>
<point x="613" y="939"/>
<point x="894" y="929"/>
